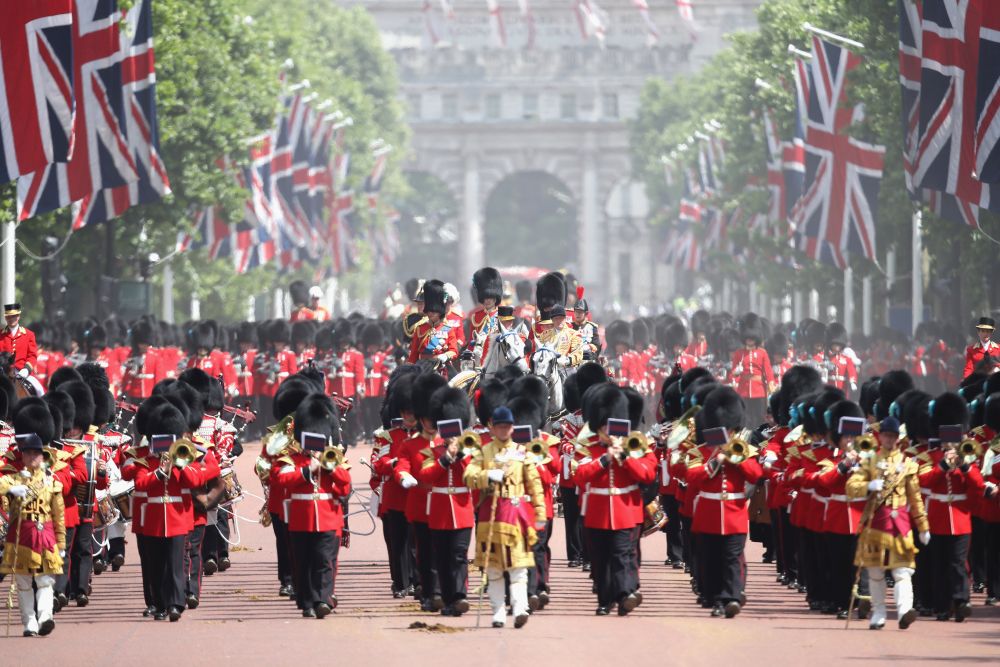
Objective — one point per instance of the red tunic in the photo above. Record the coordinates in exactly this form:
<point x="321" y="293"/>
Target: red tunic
<point x="751" y="372"/>
<point x="952" y="495"/>
<point x="169" y="510"/>
<point x="613" y="499"/>
<point x="411" y="461"/>
<point x="313" y="499"/>
<point x="390" y="444"/>
<point x="141" y="373"/>
<point x="21" y="343"/>
<point x="973" y="355"/>
<point x="449" y="503"/>
<point x="720" y="505"/>
<point x="351" y="373"/>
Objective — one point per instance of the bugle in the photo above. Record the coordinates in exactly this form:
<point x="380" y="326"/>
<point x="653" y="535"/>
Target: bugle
<point x="331" y="457"/>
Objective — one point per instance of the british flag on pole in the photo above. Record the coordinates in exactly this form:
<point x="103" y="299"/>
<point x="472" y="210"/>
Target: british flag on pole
<point x="36" y="85"/>
<point x="101" y="156"/>
<point x="843" y="174"/>
<point x="988" y="97"/>
<point x="142" y="128"/>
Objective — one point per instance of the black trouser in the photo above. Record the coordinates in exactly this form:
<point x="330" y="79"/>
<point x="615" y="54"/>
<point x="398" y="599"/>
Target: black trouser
<point x="167" y="571"/>
<point x="62" y="580"/>
<point x="789" y="544"/>
<point x="977" y="551"/>
<point x="192" y="570"/>
<point x="841" y="550"/>
<point x="315" y="566"/>
<point x="675" y="539"/>
<point x="755" y="412"/>
<point x="807" y="562"/>
<point x="923" y="579"/>
<point x="352" y="429"/>
<point x="216" y="535"/>
<point x="993" y="559"/>
<point x="722" y="566"/>
<point x="822" y="570"/>
<point x="426" y="565"/>
<point x="949" y="569"/>
<point x="370" y="406"/>
<point x="116" y="547"/>
<point x="451" y="556"/>
<point x="687" y="541"/>
<point x="612" y="558"/>
<point x="283" y="548"/>
<point x="396" y="530"/>
<point x="145" y="565"/>
<point x="82" y="560"/>
<point x="538" y="576"/>
<point x="573" y="525"/>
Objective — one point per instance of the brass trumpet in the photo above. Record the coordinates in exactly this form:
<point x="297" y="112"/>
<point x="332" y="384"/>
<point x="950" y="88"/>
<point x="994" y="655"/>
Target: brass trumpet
<point x="865" y="443"/>
<point x="539" y="450"/>
<point x="181" y="449"/>
<point x="738" y="447"/>
<point x="969" y="448"/>
<point x="636" y="442"/>
<point x="331" y="457"/>
<point x="470" y="442"/>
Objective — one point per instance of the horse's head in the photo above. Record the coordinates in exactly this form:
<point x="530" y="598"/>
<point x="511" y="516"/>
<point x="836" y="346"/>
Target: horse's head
<point x="512" y="346"/>
<point x="543" y="361"/>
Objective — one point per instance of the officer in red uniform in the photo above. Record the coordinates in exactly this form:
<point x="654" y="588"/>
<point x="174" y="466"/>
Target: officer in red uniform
<point x="614" y="508"/>
<point x="623" y="362"/>
<point x="719" y="516"/>
<point x="204" y="345"/>
<point x="273" y="366"/>
<point x="142" y="367"/>
<point x="49" y="358"/>
<point x="298" y="292"/>
<point x="303" y="335"/>
<point x="433" y="337"/>
<point x="243" y="363"/>
<point x="349" y="380"/>
<point x="316" y="482"/>
<point x="375" y="376"/>
<point x="751" y="370"/>
<point x="487" y="287"/>
<point x="698" y="347"/>
<point x="976" y="353"/>
<point x="95" y="341"/>
<point x="525" y="309"/>
<point x="18" y="341"/>
<point x="843" y="373"/>
<point x="676" y="339"/>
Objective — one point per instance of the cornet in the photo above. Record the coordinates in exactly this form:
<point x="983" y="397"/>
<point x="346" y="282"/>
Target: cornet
<point x="738" y="449"/>
<point x="539" y="450"/>
<point x="865" y="444"/>
<point x="470" y="442"/>
<point x="331" y="457"/>
<point x="181" y="449"/>
<point x="636" y="444"/>
<point x="970" y="450"/>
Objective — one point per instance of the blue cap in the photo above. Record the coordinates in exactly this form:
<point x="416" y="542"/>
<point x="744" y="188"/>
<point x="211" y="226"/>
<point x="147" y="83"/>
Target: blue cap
<point x="502" y="415"/>
<point x="889" y="425"/>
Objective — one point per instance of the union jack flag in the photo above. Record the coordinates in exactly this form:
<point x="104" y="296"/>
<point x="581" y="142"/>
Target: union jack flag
<point x="283" y="170"/>
<point x="946" y="153"/>
<point x="139" y="82"/>
<point x="101" y="156"/>
<point x="213" y="233"/>
<point x="988" y="97"/>
<point x="685" y="9"/>
<point x="36" y="85"/>
<point x="373" y="183"/>
<point x="776" y="211"/>
<point x="843" y="174"/>
<point x="794" y="154"/>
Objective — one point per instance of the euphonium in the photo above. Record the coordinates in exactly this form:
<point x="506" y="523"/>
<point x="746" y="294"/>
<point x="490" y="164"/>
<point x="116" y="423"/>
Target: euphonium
<point x="470" y="441"/>
<point x="331" y="457"/>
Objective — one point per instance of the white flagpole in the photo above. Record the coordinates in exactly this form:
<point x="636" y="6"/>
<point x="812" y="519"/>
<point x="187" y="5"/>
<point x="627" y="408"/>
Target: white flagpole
<point x="8" y="274"/>
<point x="832" y="36"/>
<point x="805" y="55"/>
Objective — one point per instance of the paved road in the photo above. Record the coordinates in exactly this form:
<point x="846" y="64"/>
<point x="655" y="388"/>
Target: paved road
<point x="242" y="620"/>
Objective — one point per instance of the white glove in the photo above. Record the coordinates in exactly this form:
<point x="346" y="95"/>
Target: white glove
<point x="383" y="450"/>
<point x="25" y="473"/>
<point x="925" y="537"/>
<point x="443" y="357"/>
<point x="738" y="370"/>
<point x="23" y="373"/>
<point x="770" y="457"/>
<point x="876" y="485"/>
<point x="408" y="482"/>
<point x="495" y="475"/>
<point x="18" y="490"/>
<point x="563" y="360"/>
<point x="62" y="554"/>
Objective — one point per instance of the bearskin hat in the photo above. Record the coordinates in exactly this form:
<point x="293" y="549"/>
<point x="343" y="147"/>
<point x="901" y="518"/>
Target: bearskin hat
<point x="372" y="335"/>
<point x="314" y="376"/>
<point x="302" y="332"/>
<point x="8" y="397"/>
<point x="699" y="322"/>
<point x="142" y="333"/>
<point x="640" y="334"/>
<point x="198" y="379"/>
<point x="810" y="334"/>
<point x="527" y="411"/>
<point x="487" y="284"/>
<point x="186" y="397"/>
<point x="836" y="412"/>
<point x="533" y="387"/>
<point x="724" y="408"/>
<point x="205" y="335"/>
<point x="797" y="382"/>
<point x="836" y="334"/>
<point x="776" y="347"/>
<point x="550" y="291"/>
<point x="814" y="419"/>
<point x="168" y="419"/>
<point x="868" y="395"/>
<point x="279" y="331"/>
<point x="425" y="385"/>
<point x="145" y="412"/>
<point x="603" y="402"/>
<point x="491" y="395"/>
<point x="290" y="393"/>
<point x="450" y="403"/>
<point x="618" y="332"/>
<point x="948" y="408"/>
<point x="692" y="375"/>
<point x="32" y="416"/>
<point x="636" y="406"/>
<point x="60" y="402"/>
<point x="83" y="403"/>
<point x="298" y="292"/>
<point x="670" y="399"/>
<point x="912" y="409"/>
<point x="317" y="414"/>
<point x="398" y="396"/>
<point x="676" y="335"/>
<point x="891" y="385"/>
<point x="991" y="412"/>
<point x="435" y="297"/>
<point x="95" y="336"/>
<point x="751" y="326"/>
<point x="587" y="375"/>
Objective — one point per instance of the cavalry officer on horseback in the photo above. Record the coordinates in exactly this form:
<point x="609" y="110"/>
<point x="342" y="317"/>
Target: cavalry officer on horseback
<point x="18" y="342"/>
<point x="487" y="286"/>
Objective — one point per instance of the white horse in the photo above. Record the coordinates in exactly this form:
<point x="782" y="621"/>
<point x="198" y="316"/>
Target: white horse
<point x="506" y="348"/>
<point x="544" y="364"/>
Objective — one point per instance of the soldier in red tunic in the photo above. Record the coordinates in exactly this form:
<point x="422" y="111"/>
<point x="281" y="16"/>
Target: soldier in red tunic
<point x="375" y="376"/>
<point x="985" y="348"/>
<point x="525" y="309"/>
<point x="751" y="370"/>
<point x="841" y="367"/>
<point x="298" y="292"/>
<point x="142" y="366"/>
<point x="18" y="341"/>
<point x="434" y="338"/>
<point x="487" y="286"/>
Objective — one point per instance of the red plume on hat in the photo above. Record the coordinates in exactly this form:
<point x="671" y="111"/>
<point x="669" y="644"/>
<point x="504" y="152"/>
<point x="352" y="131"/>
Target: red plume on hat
<point x="579" y="292"/>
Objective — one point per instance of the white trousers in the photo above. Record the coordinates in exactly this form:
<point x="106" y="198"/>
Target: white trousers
<point x="518" y="592"/>
<point x="903" y="592"/>
<point x="36" y="606"/>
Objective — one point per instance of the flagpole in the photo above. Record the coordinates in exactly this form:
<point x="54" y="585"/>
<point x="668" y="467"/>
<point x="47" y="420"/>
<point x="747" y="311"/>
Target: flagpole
<point x="805" y="55"/>
<point x="866" y="305"/>
<point x="917" y="293"/>
<point x="848" y="316"/>
<point x="8" y="240"/>
<point x="167" y="307"/>
<point x="832" y="36"/>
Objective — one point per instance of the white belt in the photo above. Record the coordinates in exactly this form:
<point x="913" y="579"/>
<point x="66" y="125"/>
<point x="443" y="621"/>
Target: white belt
<point x="450" y="490"/>
<point x="945" y="498"/>
<point x="140" y="494"/>
<point x="718" y="496"/>
<point x="346" y="375"/>
<point x="375" y="375"/>
<point x="163" y="500"/>
<point x="844" y="499"/>
<point x="145" y="376"/>
<point x="311" y="496"/>
<point x="615" y="491"/>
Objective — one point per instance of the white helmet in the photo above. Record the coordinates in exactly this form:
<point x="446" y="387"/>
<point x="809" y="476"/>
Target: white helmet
<point x="452" y="292"/>
<point x="315" y="292"/>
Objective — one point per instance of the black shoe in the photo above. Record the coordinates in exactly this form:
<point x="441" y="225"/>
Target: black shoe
<point x="638" y="598"/>
<point x="461" y="606"/>
<point x="717" y="610"/>
<point x="520" y="620"/>
<point x="192" y="601"/>
<point x="309" y="613"/>
<point x="781" y="579"/>
<point x="47" y="627"/>
<point x="842" y="614"/>
<point x="398" y="595"/>
<point x="425" y="605"/>
<point x="768" y="559"/>
<point x="285" y="591"/>
<point x="906" y="620"/>
<point x="574" y="563"/>
<point x="543" y="599"/>
<point x="687" y="569"/>
<point x="149" y="611"/>
<point x="943" y="616"/>
<point x="175" y="614"/>
<point x="828" y="609"/>
<point x="815" y="605"/>
<point x="82" y="600"/>
<point x="411" y="591"/>
<point x="497" y="624"/>
<point x="602" y="611"/>
<point x="160" y="615"/>
<point x="116" y="562"/>
<point x="30" y="633"/>
<point x="732" y="608"/>
<point x="586" y="567"/>
<point x="979" y="587"/>
<point x="627" y="604"/>
<point x="437" y="603"/>
<point x="679" y="566"/>
<point x="99" y="566"/>
<point x="668" y="562"/>
<point x="224" y="564"/>
<point x="792" y="585"/>
<point x="61" y="601"/>
<point x="322" y="610"/>
<point x="210" y="567"/>
<point x="801" y="588"/>
<point x="963" y="610"/>
<point x="990" y="601"/>
<point x="534" y="604"/>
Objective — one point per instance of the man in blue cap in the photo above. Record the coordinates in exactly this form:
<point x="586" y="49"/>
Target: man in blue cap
<point x="894" y="508"/>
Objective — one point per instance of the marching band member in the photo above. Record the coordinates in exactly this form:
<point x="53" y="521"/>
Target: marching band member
<point x="349" y="380"/>
<point x="886" y="540"/>
<point x="506" y="476"/>
<point x="316" y="479"/>
<point x="376" y="376"/>
<point x="141" y="369"/>
<point x="843" y="372"/>
<point x="36" y="540"/>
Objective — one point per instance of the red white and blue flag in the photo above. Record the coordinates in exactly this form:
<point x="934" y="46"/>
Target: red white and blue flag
<point x="101" y="156"/>
<point x="36" y="85"/>
<point x="988" y="96"/>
